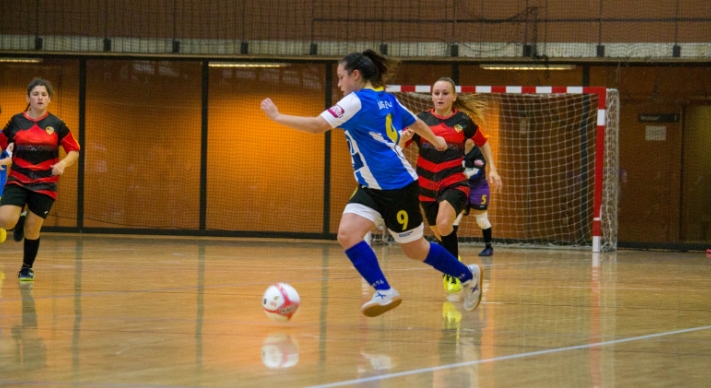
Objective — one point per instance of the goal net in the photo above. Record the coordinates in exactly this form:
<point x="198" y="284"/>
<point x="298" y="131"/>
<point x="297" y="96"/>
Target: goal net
<point x="556" y="151"/>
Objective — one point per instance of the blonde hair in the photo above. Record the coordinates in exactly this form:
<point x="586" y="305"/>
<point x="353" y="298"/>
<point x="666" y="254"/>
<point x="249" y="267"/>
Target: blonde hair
<point x="471" y="104"/>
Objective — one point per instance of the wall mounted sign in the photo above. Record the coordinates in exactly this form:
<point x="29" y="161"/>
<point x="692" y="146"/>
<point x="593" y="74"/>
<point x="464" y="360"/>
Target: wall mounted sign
<point x="659" y="117"/>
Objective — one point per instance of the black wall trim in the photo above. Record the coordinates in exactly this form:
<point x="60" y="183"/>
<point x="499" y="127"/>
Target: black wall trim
<point x="81" y="166"/>
<point x="203" y="145"/>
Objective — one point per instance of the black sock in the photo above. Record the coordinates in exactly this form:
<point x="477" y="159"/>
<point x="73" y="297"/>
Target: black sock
<point x="449" y="242"/>
<point x="455" y="227"/>
<point x="31" y="248"/>
<point x="487" y="236"/>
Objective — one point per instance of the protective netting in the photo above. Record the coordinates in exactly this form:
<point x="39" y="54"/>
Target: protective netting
<point x="611" y="173"/>
<point x="405" y="28"/>
<point x="545" y="149"/>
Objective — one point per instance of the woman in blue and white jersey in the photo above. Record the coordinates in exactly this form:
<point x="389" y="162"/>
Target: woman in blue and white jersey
<point x="387" y="184"/>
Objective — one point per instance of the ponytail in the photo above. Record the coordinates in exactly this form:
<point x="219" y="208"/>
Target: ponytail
<point x="373" y="67"/>
<point x="473" y="105"/>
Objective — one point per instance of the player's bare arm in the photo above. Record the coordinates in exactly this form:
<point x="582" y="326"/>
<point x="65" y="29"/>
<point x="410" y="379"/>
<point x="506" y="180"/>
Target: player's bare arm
<point x="58" y="169"/>
<point x="422" y="129"/>
<point x="493" y="176"/>
<point x="305" y="124"/>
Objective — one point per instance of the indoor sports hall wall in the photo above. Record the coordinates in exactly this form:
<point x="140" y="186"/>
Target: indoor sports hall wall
<point x="259" y="178"/>
<point x="263" y="177"/>
<point x="142" y="142"/>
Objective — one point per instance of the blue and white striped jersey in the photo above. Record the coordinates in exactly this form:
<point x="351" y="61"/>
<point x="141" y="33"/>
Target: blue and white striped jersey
<point x="372" y="120"/>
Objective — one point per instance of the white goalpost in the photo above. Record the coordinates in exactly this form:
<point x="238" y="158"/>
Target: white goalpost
<point x="556" y="149"/>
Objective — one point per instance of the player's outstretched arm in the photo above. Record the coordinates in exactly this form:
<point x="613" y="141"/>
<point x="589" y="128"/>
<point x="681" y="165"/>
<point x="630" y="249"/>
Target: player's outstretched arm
<point x="305" y="124"/>
<point x="420" y="128"/>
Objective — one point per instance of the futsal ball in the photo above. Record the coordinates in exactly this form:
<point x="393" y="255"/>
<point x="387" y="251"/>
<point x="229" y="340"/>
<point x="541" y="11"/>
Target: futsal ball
<point x="281" y="302"/>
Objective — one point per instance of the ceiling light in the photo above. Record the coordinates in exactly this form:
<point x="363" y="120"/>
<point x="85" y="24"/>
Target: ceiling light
<point x="21" y="60"/>
<point x="248" y="65"/>
<point x="551" y="66"/>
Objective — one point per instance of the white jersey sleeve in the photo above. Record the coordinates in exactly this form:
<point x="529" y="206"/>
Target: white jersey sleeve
<point x="343" y="111"/>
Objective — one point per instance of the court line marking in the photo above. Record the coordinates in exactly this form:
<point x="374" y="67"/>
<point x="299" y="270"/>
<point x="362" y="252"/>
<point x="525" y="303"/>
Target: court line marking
<point x="510" y="357"/>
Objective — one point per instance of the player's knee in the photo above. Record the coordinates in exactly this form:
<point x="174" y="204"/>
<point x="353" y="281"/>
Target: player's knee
<point x="33" y="227"/>
<point x="444" y="228"/>
<point x="7" y="223"/>
<point x="483" y="220"/>
<point x="348" y="238"/>
<point x="344" y="239"/>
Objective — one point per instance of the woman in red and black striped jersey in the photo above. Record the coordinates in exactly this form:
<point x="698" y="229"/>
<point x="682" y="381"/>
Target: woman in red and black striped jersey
<point x="444" y="189"/>
<point x="37" y="136"/>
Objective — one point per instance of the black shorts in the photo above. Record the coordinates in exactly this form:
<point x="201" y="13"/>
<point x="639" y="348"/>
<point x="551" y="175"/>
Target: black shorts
<point x="399" y="208"/>
<point x="456" y="198"/>
<point x="40" y="204"/>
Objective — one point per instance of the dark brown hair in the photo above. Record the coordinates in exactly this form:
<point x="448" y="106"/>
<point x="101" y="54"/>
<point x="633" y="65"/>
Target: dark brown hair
<point x="39" y="82"/>
<point x="373" y="67"/>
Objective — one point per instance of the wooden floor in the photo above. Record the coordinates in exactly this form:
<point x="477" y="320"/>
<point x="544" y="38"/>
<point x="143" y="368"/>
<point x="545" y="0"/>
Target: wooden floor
<point x="115" y="311"/>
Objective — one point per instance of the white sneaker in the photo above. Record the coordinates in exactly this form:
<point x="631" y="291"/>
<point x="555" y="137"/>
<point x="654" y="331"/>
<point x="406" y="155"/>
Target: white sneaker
<point x="472" y="288"/>
<point x="382" y="301"/>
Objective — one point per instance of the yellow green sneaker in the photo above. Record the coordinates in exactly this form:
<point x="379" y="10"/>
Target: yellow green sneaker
<point x="3" y="235"/>
<point x="453" y="287"/>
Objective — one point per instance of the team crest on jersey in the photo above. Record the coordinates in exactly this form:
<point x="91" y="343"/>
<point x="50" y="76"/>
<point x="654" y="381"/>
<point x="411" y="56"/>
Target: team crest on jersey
<point x="336" y="111"/>
<point x="458" y="128"/>
<point x="50" y="130"/>
<point x="478" y="163"/>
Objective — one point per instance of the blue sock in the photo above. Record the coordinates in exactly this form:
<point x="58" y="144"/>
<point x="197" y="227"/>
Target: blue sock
<point x="365" y="261"/>
<point x="444" y="262"/>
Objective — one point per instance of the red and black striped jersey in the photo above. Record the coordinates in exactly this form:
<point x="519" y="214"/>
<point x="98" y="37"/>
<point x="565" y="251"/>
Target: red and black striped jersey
<point x="37" y="144"/>
<point x="438" y="170"/>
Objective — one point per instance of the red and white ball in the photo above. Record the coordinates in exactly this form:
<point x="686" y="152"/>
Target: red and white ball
<point x="281" y="302"/>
